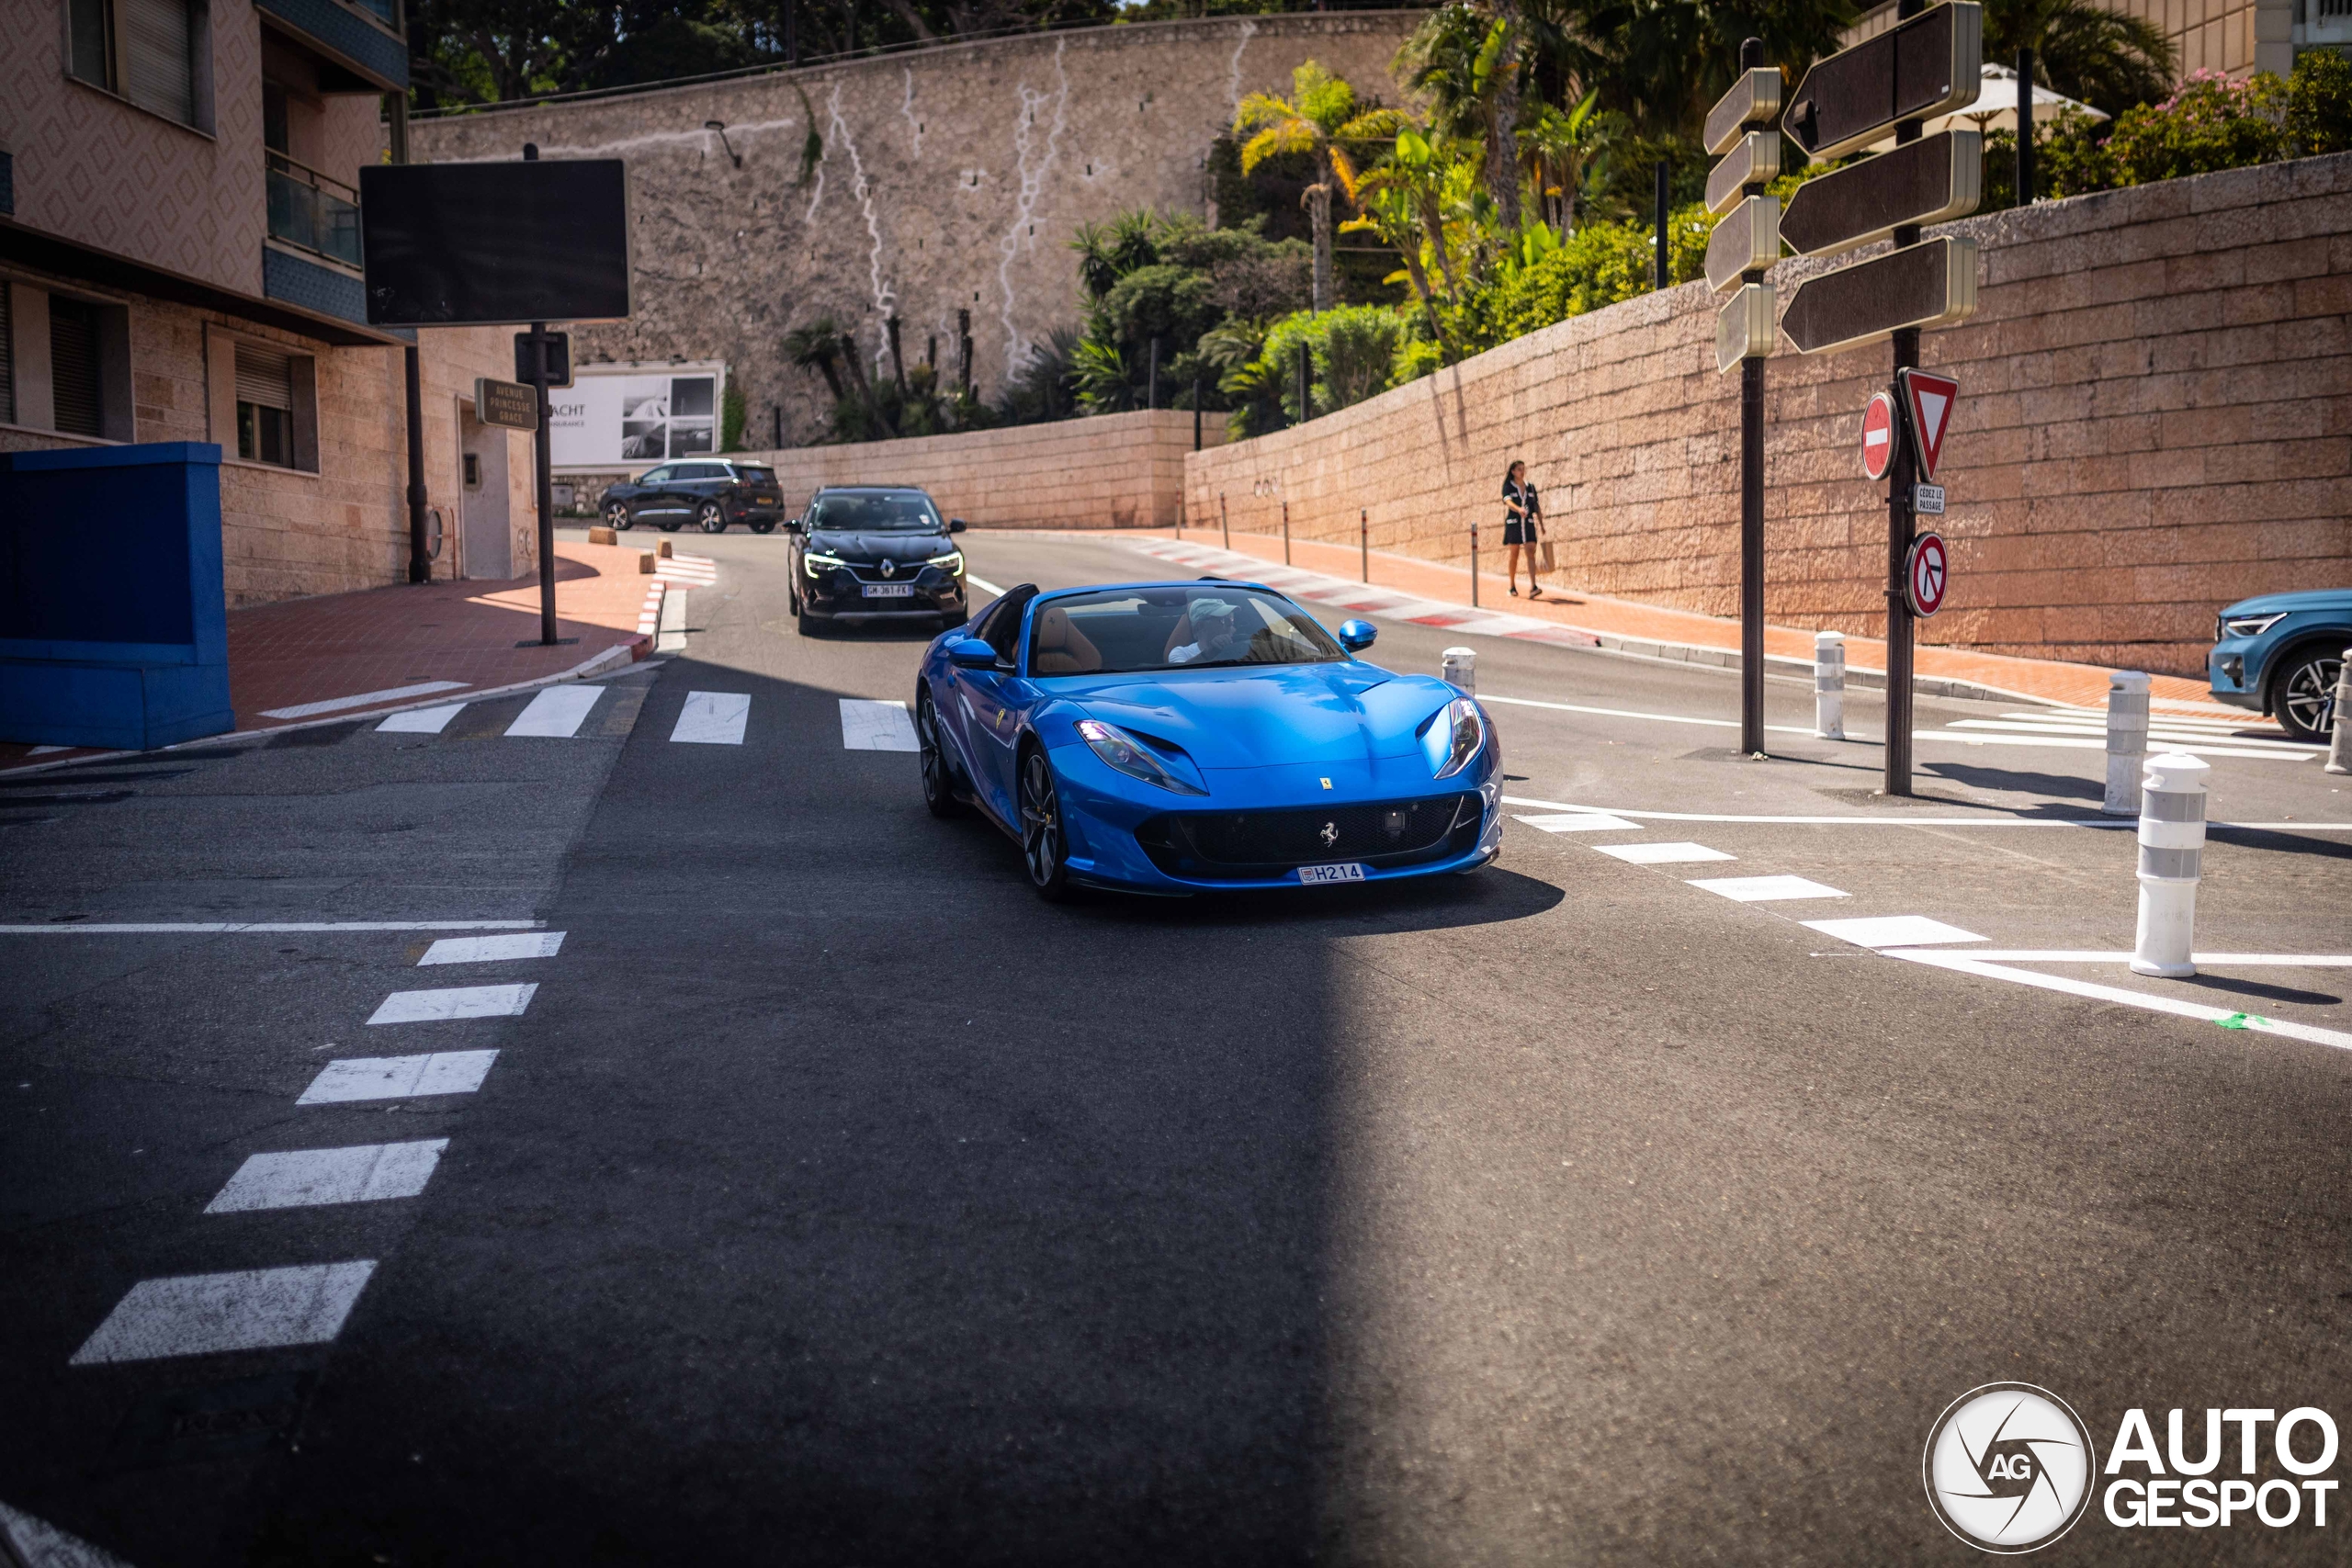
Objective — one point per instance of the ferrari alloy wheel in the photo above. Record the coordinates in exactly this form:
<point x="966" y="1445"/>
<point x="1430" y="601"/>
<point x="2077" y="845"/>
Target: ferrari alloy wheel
<point x="2306" y="701"/>
<point x="1041" y="830"/>
<point x="938" y="785"/>
<point x="709" y="519"/>
<point x="616" y="516"/>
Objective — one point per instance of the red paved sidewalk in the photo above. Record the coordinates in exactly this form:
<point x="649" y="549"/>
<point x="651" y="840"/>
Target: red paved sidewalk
<point x="310" y="654"/>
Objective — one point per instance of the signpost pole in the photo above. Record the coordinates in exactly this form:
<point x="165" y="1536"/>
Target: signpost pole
<point x="1899" y="522"/>
<point x="1751" y="509"/>
<point x="542" y="464"/>
<point x="1664" y="268"/>
<point x="2025" y="128"/>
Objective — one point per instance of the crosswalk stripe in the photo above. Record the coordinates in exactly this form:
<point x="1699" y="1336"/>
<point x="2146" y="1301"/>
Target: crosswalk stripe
<point x="555" y="713"/>
<point x="298" y="1178"/>
<point x="421" y="721"/>
<point x="1662" y="854"/>
<point x="399" y="1077"/>
<point x="713" y="718"/>
<point x="1766" y="890"/>
<point x="1891" y="931"/>
<point x="493" y="949"/>
<point x="1579" y="822"/>
<point x="869" y="726"/>
<point x="454" y="1003"/>
<point x="201" y="1314"/>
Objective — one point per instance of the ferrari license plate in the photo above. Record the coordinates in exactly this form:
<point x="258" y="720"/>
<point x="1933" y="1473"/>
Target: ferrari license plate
<point x="889" y="591"/>
<point x="1346" y="871"/>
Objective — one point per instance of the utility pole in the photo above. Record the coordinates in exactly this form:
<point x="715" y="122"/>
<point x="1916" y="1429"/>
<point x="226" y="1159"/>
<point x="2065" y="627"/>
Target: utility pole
<point x="1665" y="270"/>
<point x="1904" y="476"/>
<point x="420" y="560"/>
<point x="541" y="465"/>
<point x="2025" y="128"/>
<point x="1751" y="502"/>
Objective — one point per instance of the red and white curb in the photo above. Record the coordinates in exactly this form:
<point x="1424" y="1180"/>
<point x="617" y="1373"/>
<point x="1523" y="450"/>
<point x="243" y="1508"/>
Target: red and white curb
<point x="649" y="618"/>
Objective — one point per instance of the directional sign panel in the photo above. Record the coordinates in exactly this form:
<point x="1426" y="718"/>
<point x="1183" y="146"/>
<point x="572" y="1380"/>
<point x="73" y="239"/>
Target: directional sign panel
<point x="1928" y="285"/>
<point x="1753" y="99"/>
<point x="1929" y="181"/>
<point x="1748" y="240"/>
<point x="1928" y="66"/>
<point x="1743" y="326"/>
<point x="1755" y="159"/>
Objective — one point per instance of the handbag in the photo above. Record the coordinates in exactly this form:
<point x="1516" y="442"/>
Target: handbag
<point x="1543" y="555"/>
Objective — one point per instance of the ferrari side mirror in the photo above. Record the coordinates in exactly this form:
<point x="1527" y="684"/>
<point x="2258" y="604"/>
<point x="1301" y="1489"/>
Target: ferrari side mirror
<point x="1357" y="636"/>
<point x="971" y="653"/>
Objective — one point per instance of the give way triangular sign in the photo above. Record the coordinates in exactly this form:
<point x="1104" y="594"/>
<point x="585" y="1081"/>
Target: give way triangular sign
<point x="1926" y="402"/>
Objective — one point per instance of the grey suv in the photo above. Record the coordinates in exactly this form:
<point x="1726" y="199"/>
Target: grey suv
<point x="711" y="492"/>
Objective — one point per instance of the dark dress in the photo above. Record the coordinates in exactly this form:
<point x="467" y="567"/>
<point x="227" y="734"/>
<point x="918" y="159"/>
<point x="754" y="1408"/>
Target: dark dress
<point x="1515" y="529"/>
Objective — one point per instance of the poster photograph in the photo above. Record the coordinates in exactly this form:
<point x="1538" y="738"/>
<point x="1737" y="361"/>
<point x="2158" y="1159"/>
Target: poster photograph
<point x="632" y="416"/>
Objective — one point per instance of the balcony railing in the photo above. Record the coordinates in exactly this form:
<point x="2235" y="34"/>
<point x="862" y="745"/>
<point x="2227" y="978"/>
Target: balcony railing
<point x="313" y="210"/>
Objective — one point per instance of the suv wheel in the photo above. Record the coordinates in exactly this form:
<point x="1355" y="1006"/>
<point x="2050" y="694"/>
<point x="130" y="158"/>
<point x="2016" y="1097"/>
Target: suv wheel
<point x="2304" y="698"/>
<point x="709" y="518"/>
<point x="616" y="516"/>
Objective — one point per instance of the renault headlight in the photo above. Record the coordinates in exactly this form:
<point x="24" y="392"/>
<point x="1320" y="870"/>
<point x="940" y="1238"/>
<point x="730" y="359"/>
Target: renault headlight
<point x="819" y="563"/>
<point x="2250" y="626"/>
<point x="1454" y="736"/>
<point x="1130" y="756"/>
<point x="951" y="561"/>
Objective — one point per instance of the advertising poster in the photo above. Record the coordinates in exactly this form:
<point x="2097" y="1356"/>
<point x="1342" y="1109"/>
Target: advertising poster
<point x="632" y="416"/>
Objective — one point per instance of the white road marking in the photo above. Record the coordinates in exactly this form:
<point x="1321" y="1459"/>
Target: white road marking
<point x="1766" y="890"/>
<point x="492" y="948"/>
<point x="421" y="721"/>
<point x="45" y="750"/>
<point x="399" y="1077"/>
<point x="1627" y="713"/>
<point x="454" y="1003"/>
<point x="713" y="718"/>
<point x="2164" y="729"/>
<point x="200" y="1314"/>
<point x="39" y="1544"/>
<point x="2203" y="960"/>
<point x="671" y="636"/>
<point x="1974" y="964"/>
<point x="984" y="585"/>
<point x="701" y="570"/>
<point x="1895" y="821"/>
<point x="1891" y="931"/>
<point x="1662" y="854"/>
<point x="262" y="927"/>
<point x="2067" y="743"/>
<point x="868" y="726"/>
<point x="1579" y="822"/>
<point x="366" y="1173"/>
<point x="390" y="695"/>
<point x="555" y="713"/>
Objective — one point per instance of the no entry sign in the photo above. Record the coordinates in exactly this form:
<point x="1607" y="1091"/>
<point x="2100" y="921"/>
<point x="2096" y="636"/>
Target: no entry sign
<point x="1878" y="436"/>
<point x="1927" y="575"/>
<point x="1929" y="399"/>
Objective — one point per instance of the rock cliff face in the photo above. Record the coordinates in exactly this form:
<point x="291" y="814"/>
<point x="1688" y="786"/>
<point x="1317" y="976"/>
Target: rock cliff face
<point x="941" y="181"/>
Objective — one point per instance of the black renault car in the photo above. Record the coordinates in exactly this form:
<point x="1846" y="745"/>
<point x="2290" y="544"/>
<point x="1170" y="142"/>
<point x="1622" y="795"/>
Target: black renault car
<point x="876" y="554"/>
<point x="710" y="492"/>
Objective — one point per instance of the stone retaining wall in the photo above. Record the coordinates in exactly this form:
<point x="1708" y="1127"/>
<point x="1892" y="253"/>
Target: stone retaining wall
<point x="2155" y="419"/>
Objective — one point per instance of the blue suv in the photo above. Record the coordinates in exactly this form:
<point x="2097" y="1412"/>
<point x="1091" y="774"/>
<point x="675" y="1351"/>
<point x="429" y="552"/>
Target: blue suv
<point x="2282" y="654"/>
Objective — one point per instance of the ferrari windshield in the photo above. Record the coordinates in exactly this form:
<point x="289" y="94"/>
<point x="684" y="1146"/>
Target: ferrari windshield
<point x="1195" y="626"/>
<point x="877" y="512"/>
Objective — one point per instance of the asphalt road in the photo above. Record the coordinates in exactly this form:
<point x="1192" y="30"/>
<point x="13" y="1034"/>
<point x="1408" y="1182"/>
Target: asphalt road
<point x="833" y="1200"/>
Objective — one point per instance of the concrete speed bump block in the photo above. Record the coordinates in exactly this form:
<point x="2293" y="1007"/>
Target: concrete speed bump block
<point x="603" y="536"/>
<point x="663" y="550"/>
<point x="645" y="563"/>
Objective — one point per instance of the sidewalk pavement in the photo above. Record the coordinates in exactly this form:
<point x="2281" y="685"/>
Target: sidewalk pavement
<point x="1685" y="635"/>
<point x="343" y="655"/>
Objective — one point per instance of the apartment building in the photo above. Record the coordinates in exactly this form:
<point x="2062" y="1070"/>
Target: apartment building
<point x="179" y="261"/>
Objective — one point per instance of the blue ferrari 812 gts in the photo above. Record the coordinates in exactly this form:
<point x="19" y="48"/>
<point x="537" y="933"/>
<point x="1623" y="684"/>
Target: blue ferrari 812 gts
<point x="1176" y="738"/>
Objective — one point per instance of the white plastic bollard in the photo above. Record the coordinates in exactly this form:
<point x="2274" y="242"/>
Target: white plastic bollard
<point x="1829" y="685"/>
<point x="1461" y="669"/>
<point x="2339" y="741"/>
<point x="2127" y="740"/>
<point x="2172" y="855"/>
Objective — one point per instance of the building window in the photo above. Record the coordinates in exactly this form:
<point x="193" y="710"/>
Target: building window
<point x="150" y="51"/>
<point x="264" y="405"/>
<point x="76" y="367"/>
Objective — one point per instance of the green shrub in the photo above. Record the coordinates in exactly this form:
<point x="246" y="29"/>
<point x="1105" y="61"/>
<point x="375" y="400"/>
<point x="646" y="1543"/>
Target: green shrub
<point x="2211" y="123"/>
<point x="2319" y="103"/>
<point x="1598" y="265"/>
<point x="1351" y="352"/>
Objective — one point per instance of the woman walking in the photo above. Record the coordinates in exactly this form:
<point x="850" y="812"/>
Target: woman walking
<point x="1521" y="527"/>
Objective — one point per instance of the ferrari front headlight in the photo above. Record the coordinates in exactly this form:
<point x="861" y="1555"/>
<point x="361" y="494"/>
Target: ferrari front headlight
<point x="1454" y="736"/>
<point x="1130" y="756"/>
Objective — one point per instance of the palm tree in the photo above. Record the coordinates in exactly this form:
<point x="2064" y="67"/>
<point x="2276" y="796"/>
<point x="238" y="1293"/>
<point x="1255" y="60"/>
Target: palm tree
<point x="1406" y="199"/>
<point x="1319" y="118"/>
<point x="816" y="347"/>
<point x="1456" y="59"/>
<point x="1556" y="147"/>
<point x="2100" y="57"/>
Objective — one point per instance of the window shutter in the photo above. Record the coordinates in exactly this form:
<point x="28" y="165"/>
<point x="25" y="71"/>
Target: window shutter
<point x="264" y="377"/>
<point x="156" y="58"/>
<point x="74" y="365"/>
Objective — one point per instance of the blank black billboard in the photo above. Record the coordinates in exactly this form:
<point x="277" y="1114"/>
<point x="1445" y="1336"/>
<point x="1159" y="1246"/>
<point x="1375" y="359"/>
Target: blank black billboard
<point x="495" y="245"/>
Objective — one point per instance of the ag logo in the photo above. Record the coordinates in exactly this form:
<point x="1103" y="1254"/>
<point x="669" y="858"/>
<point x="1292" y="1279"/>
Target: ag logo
<point x="2008" y="1468"/>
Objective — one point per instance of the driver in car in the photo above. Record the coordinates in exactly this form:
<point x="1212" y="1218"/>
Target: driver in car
<point x="1214" y="636"/>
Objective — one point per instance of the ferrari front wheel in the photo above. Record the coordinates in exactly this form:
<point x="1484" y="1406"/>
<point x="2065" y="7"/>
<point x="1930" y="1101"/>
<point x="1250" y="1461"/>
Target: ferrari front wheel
<point x="1043" y="846"/>
<point x="938" y="787"/>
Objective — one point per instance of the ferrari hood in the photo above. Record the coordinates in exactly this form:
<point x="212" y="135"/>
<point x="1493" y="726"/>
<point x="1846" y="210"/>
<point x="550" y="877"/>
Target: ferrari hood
<point x="1245" y="718"/>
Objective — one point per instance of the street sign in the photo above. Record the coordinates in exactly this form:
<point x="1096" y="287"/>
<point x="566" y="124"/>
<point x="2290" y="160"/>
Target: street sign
<point x="1754" y="161"/>
<point x="558" y="358"/>
<point x="1928" y="500"/>
<point x="1927" y="181"/>
<point x="504" y="403"/>
<point x="1926" y="66"/>
<point x="1929" y="285"/>
<point x="1927" y="575"/>
<point x="1743" y="326"/>
<point x="1753" y="99"/>
<point x="1748" y="240"/>
<point x="1928" y="401"/>
<point x="1878" y="436"/>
